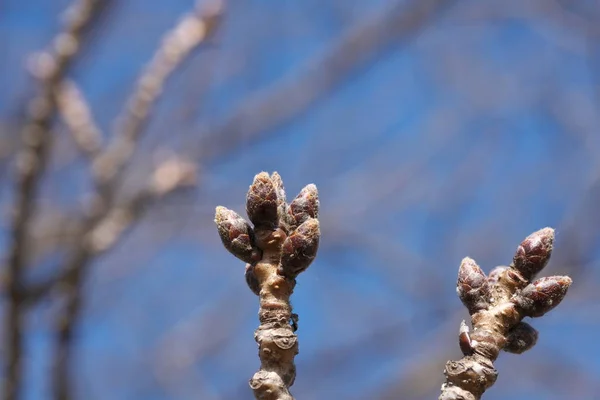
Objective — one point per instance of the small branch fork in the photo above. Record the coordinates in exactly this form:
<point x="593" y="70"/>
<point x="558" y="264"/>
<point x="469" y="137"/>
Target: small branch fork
<point x="282" y="244"/>
<point x="497" y="304"/>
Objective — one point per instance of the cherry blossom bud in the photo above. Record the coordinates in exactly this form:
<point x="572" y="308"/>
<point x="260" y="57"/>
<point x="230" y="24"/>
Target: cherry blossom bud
<point x="304" y="206"/>
<point x="236" y="234"/>
<point x="300" y="248"/>
<point x="252" y="280"/>
<point x="261" y="202"/>
<point x="541" y="296"/>
<point x="470" y="286"/>
<point x="282" y="206"/>
<point x="520" y="338"/>
<point x="533" y="253"/>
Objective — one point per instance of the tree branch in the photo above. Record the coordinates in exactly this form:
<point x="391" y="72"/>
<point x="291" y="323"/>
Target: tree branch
<point x="282" y="244"/>
<point x="497" y="305"/>
<point x="77" y="115"/>
<point x="50" y="69"/>
<point x="105" y="223"/>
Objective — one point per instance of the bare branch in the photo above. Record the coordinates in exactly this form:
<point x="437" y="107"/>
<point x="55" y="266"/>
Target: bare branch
<point x="191" y="31"/>
<point x="293" y="94"/>
<point x="50" y="68"/>
<point x="76" y="114"/>
<point x="497" y="304"/>
<point x="98" y="236"/>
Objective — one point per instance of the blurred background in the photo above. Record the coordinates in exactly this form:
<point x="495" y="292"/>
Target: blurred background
<point x="434" y="130"/>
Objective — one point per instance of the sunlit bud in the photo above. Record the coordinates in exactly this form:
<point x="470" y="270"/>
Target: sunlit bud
<point x="282" y="206"/>
<point x="520" y="338"/>
<point x="236" y="234"/>
<point x="533" y="253"/>
<point x="305" y="205"/>
<point x="251" y="279"/>
<point x="541" y="296"/>
<point x="261" y="202"/>
<point x="300" y="248"/>
<point x="470" y="285"/>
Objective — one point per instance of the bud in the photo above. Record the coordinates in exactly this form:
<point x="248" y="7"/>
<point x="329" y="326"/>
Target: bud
<point x="261" y="202"/>
<point x="252" y="280"/>
<point x="305" y="205"/>
<point x="470" y="285"/>
<point x="541" y="296"/>
<point x="520" y="338"/>
<point x="533" y="253"/>
<point x="236" y="234"/>
<point x="282" y="206"/>
<point x="300" y="248"/>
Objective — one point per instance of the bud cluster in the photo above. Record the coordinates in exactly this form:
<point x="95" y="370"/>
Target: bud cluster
<point x="511" y="288"/>
<point x="497" y="304"/>
<point x="291" y="231"/>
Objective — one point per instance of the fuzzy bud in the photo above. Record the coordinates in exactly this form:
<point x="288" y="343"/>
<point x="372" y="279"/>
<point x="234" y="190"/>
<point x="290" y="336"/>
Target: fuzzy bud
<point x="520" y="338"/>
<point x="252" y="280"/>
<point x="533" y="253"/>
<point x="541" y="296"/>
<point x="304" y="206"/>
<point x="470" y="286"/>
<point x="282" y="206"/>
<point x="236" y="234"/>
<point x="261" y="202"/>
<point x="300" y="248"/>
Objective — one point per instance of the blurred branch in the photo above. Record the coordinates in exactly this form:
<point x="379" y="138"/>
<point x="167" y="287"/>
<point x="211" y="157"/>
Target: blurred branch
<point x="49" y="69"/>
<point x="291" y="96"/>
<point x="105" y="222"/>
<point x="101" y="231"/>
<point x="192" y="30"/>
<point x="77" y="115"/>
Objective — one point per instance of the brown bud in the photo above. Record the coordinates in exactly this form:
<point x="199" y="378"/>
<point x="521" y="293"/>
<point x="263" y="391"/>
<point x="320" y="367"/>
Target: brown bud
<point x="252" y="280"/>
<point x="533" y="253"/>
<point x="541" y="296"/>
<point x="520" y="338"/>
<point x="470" y="286"/>
<point x="300" y="248"/>
<point x="304" y="206"/>
<point x="282" y="206"/>
<point x="236" y="234"/>
<point x="261" y="202"/>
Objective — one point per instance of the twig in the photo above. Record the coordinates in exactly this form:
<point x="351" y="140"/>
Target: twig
<point x="101" y="233"/>
<point x="193" y="29"/>
<point x="282" y="244"/>
<point x="295" y="93"/>
<point x="31" y="162"/>
<point x="109" y="164"/>
<point x="77" y="115"/>
<point x="105" y="222"/>
<point x="497" y="305"/>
